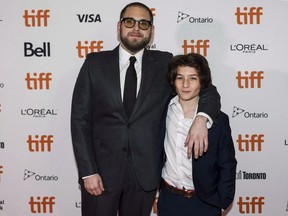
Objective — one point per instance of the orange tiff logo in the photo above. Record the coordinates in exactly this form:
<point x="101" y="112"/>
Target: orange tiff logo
<point x="37" y="81"/>
<point x="153" y="10"/>
<point x="250" y="80"/>
<point x="1" y="171"/>
<point x="199" y="46"/>
<point x="36" y="18"/>
<point x="40" y="143"/>
<point x="154" y="207"/>
<point x="252" y="205"/>
<point x="42" y="205"/>
<point x="250" y="143"/>
<point x="84" y="49"/>
<point x="248" y="15"/>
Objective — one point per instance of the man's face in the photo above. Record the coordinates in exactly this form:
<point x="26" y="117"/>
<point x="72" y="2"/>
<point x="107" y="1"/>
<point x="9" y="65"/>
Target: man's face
<point x="187" y="83"/>
<point x="134" y="39"/>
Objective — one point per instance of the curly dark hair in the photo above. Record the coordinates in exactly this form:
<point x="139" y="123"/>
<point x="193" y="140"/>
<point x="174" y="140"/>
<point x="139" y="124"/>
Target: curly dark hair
<point x="193" y="60"/>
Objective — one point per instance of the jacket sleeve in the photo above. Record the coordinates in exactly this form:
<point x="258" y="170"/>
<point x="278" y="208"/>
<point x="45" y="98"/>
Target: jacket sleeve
<point x="81" y="123"/>
<point x="227" y="164"/>
<point x="209" y="102"/>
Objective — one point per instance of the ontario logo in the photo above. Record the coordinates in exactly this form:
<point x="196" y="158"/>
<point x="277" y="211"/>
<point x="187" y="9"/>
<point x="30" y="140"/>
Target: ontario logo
<point x="194" y="20"/>
<point x="237" y="111"/>
<point x="28" y="174"/>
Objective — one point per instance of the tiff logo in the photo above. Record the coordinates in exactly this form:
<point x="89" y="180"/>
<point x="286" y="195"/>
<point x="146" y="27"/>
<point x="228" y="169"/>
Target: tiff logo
<point x="36" y="18"/>
<point x="153" y="10"/>
<point x="44" y="51"/>
<point x="1" y="171"/>
<point x="249" y="206"/>
<point x="199" y="46"/>
<point x="252" y="80"/>
<point x="250" y="143"/>
<point x="84" y="49"/>
<point x="38" y="81"/>
<point x="154" y="207"/>
<point x="42" y="206"/>
<point x="253" y="14"/>
<point x="40" y="143"/>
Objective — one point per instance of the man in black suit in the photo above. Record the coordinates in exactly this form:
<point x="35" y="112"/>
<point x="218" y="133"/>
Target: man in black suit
<point x="119" y="151"/>
<point x="203" y="186"/>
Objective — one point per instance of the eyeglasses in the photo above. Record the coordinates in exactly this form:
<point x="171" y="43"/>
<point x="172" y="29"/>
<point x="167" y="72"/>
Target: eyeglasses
<point x="130" y="23"/>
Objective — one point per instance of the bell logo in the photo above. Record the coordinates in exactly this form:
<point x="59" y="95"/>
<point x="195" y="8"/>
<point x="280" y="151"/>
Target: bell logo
<point x="83" y="50"/>
<point x="252" y="205"/>
<point x="44" y="51"/>
<point x="250" y="80"/>
<point x="248" y="14"/>
<point x="199" y="46"/>
<point x="36" y="18"/>
<point x="250" y="143"/>
<point x="38" y="81"/>
<point x="40" y="143"/>
<point x="44" y="205"/>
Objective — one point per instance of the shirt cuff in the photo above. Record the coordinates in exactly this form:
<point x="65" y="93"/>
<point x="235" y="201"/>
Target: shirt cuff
<point x="209" y="122"/>
<point x="84" y="177"/>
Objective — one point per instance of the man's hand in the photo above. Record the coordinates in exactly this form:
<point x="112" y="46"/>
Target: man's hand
<point x="94" y="185"/>
<point x="197" y="137"/>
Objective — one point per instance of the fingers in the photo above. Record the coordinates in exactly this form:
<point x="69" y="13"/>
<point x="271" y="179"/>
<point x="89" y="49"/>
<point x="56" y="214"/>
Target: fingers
<point x="197" y="138"/>
<point x="198" y="146"/>
<point x="94" y="185"/>
<point x="189" y="151"/>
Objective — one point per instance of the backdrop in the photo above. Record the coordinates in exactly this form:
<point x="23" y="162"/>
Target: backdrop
<point x="43" y="45"/>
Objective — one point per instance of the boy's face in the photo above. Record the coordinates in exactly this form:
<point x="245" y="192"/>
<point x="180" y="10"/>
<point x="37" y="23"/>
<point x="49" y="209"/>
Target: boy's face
<point x="187" y="83"/>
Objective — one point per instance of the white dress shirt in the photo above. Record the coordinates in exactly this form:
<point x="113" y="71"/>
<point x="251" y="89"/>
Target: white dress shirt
<point x="124" y="63"/>
<point x="177" y="170"/>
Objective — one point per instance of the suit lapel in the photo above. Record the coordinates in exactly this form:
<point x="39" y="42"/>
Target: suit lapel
<point x="149" y="70"/>
<point x="113" y="80"/>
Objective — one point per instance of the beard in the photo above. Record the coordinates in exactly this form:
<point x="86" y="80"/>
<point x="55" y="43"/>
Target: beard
<point x="134" y="45"/>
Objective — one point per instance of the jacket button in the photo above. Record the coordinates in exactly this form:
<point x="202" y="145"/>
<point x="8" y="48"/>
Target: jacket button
<point x="124" y="149"/>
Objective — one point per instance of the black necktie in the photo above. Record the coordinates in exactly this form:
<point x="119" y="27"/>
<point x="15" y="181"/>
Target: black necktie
<point x="130" y="87"/>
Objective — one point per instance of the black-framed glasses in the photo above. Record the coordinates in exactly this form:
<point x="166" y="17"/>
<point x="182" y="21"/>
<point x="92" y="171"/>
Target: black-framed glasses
<point x="130" y="23"/>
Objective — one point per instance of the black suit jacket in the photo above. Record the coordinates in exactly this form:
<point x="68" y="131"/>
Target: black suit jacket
<point x="214" y="173"/>
<point x="101" y="129"/>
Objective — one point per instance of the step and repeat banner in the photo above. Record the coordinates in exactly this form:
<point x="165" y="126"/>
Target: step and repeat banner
<point x="43" y="45"/>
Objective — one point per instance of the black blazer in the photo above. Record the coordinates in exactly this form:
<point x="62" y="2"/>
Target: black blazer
<point x="101" y="129"/>
<point x="214" y="174"/>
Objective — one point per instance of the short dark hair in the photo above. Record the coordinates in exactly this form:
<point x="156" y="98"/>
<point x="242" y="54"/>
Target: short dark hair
<point x="137" y="4"/>
<point x="193" y="60"/>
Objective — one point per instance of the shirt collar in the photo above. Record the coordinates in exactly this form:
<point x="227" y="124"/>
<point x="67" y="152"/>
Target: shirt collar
<point x="174" y="101"/>
<point x="124" y="55"/>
